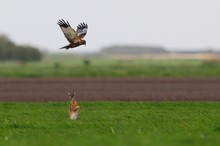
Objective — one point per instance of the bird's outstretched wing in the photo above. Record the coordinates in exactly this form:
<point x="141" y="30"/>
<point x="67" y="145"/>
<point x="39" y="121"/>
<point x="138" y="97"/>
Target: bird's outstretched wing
<point x="82" y="30"/>
<point x="69" y="32"/>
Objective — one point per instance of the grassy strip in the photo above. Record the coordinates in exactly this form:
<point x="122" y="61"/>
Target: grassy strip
<point x="100" y="67"/>
<point x="111" y="123"/>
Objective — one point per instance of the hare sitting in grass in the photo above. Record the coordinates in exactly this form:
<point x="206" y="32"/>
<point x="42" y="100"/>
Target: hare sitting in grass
<point x="74" y="107"/>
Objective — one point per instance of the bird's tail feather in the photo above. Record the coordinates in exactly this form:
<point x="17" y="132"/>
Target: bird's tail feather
<point x="65" y="47"/>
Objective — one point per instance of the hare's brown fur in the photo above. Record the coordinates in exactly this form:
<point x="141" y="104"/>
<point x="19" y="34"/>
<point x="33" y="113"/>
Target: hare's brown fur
<point x="74" y="107"/>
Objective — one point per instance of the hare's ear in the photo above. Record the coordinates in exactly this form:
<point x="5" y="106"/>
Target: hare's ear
<point x="70" y="95"/>
<point x="73" y="96"/>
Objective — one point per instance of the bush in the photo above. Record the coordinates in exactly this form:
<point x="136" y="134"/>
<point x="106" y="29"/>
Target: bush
<point x="87" y="62"/>
<point x="57" y="65"/>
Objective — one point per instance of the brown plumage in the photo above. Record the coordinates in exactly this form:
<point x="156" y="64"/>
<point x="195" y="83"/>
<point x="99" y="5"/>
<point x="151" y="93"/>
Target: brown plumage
<point x="74" y="37"/>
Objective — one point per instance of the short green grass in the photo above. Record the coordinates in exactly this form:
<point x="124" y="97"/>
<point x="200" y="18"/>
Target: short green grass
<point x="75" y="66"/>
<point x="111" y="123"/>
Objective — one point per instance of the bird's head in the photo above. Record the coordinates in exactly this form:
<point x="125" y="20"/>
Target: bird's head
<point x="83" y="42"/>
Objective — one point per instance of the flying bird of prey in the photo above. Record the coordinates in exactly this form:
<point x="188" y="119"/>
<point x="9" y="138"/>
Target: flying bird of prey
<point x="74" y="37"/>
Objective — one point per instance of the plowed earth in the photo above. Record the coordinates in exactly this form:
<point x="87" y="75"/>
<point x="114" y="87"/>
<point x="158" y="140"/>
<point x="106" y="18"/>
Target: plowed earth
<point x="110" y="89"/>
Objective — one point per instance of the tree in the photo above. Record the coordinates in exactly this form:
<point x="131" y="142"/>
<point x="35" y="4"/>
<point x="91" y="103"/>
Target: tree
<point x="11" y="51"/>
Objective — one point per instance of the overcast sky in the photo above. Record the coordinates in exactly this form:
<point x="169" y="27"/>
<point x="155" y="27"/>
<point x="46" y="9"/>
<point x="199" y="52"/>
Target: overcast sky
<point x="174" y="24"/>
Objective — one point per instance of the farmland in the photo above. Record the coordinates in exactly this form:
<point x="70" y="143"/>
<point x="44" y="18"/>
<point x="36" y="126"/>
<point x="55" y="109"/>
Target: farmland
<point x="36" y="118"/>
<point x="110" y="89"/>
<point x="111" y="123"/>
<point x="78" y="66"/>
<point x="34" y="102"/>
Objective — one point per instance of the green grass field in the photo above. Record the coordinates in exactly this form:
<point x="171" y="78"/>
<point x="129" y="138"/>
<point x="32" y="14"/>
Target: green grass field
<point x="75" y="66"/>
<point x="111" y="123"/>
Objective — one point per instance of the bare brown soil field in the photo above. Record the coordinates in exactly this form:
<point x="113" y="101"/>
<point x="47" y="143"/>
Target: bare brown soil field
<point x="110" y="89"/>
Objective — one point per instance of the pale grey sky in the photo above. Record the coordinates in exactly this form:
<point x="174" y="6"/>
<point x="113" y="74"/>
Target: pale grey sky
<point x="174" y="24"/>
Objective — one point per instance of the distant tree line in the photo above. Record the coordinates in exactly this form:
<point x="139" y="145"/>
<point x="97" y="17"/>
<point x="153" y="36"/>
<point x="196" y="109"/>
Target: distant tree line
<point x="133" y="50"/>
<point x="9" y="51"/>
